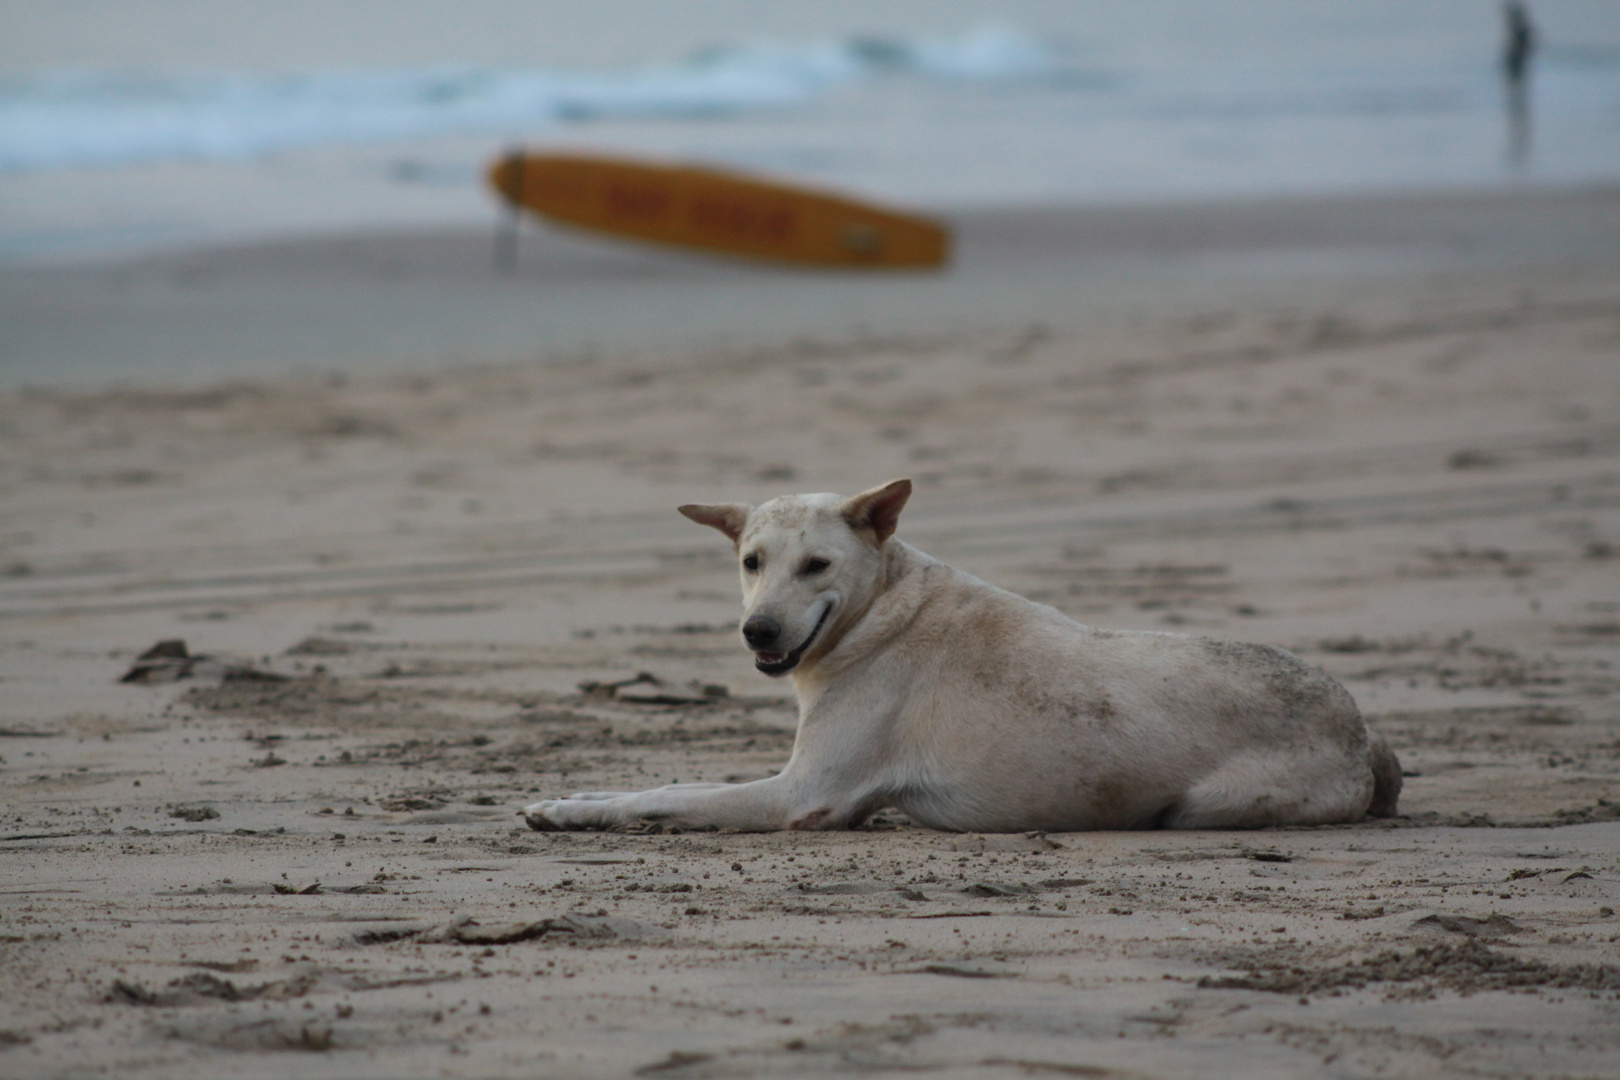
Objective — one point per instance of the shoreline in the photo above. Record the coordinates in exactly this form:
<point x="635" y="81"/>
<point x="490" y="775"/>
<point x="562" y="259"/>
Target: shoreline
<point x="405" y="300"/>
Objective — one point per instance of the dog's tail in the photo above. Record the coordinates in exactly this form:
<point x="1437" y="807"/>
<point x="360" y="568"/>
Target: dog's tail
<point x="1386" y="769"/>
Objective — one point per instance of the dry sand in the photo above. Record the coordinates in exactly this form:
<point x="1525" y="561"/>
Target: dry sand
<point x="303" y="859"/>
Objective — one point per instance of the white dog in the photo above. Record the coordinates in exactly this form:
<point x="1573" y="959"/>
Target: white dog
<point x="971" y="708"/>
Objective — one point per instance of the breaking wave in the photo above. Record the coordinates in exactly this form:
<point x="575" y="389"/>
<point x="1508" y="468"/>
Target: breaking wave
<point x="69" y="119"/>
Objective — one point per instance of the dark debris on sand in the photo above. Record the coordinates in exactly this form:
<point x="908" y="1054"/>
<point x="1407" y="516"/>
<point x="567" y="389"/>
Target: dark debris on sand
<point x="1466" y="968"/>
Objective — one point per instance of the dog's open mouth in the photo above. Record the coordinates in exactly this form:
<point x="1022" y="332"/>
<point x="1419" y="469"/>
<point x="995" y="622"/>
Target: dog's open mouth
<point x="775" y="663"/>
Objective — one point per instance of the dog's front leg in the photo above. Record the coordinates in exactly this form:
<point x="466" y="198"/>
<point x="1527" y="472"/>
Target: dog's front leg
<point x="777" y="802"/>
<point x="627" y="794"/>
<point x="835" y="778"/>
<point x="758" y="806"/>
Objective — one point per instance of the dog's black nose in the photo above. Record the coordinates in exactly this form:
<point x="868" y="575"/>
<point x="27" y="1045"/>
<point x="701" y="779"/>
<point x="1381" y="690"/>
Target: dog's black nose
<point x="761" y="631"/>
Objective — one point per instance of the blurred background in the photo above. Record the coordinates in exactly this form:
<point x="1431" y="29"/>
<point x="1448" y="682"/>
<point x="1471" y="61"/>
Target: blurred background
<point x="204" y="189"/>
<point x="129" y="124"/>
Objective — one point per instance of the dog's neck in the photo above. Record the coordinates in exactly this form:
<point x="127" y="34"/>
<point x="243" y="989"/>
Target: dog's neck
<point x="888" y="607"/>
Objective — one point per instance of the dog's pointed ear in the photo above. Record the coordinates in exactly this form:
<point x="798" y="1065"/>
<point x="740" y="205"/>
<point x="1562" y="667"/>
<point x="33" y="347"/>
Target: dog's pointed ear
<point x="878" y="510"/>
<point x="729" y="518"/>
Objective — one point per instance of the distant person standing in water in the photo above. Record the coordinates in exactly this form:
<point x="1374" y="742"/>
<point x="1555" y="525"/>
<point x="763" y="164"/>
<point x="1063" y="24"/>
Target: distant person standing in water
<point x="1518" y="44"/>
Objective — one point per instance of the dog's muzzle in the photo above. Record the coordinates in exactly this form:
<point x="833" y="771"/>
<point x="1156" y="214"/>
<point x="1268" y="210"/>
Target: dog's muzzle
<point x="772" y="663"/>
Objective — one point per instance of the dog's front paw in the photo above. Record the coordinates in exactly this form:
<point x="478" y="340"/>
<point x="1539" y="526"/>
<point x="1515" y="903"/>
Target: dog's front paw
<point x="592" y="810"/>
<point x="543" y="817"/>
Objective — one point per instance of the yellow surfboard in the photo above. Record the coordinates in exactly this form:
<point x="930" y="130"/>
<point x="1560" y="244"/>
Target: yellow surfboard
<point x="687" y="206"/>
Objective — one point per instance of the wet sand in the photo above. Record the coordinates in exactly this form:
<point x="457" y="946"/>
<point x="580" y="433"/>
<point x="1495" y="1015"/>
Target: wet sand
<point x="403" y="301"/>
<point x="303" y="857"/>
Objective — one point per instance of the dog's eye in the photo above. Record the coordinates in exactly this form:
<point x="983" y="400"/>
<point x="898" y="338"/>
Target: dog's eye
<point x="815" y="566"/>
<point x="751" y="563"/>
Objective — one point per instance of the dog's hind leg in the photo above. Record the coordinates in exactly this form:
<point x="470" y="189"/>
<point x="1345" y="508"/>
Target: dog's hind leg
<point x="1260" y="790"/>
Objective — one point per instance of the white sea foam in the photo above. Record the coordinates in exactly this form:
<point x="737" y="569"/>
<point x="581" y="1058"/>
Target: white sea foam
<point x="69" y="119"/>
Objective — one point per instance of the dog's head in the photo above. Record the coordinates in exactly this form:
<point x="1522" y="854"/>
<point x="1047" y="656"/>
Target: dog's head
<point x="808" y="563"/>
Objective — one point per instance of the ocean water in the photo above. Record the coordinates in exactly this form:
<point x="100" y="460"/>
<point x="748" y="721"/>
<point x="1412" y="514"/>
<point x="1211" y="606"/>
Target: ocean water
<point x="169" y="122"/>
<point x="75" y="119"/>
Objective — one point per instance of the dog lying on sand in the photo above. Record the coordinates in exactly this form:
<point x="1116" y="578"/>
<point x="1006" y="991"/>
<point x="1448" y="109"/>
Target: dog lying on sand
<point x="971" y="708"/>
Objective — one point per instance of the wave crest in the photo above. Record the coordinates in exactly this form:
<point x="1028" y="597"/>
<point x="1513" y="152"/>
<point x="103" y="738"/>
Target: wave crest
<point x="76" y="119"/>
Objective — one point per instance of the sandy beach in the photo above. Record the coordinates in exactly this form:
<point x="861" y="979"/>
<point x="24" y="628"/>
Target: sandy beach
<point x="414" y="523"/>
